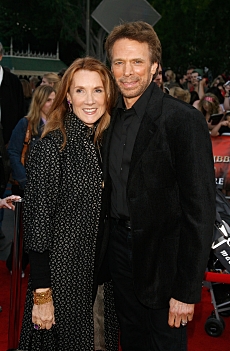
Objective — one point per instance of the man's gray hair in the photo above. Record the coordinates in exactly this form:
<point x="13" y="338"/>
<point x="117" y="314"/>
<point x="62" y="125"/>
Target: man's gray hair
<point x="1" y="49"/>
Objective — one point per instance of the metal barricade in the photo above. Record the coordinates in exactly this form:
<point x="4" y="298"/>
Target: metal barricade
<point x="15" y="293"/>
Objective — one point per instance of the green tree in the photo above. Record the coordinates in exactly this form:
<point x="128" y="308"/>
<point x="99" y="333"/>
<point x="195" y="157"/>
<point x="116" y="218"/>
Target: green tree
<point x="194" y="32"/>
<point x="42" y="24"/>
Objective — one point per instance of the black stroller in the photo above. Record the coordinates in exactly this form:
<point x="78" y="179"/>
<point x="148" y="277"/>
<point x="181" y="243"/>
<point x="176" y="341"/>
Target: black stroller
<point x="217" y="276"/>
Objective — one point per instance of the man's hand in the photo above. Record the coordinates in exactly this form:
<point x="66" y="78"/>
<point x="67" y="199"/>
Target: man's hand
<point x="179" y="312"/>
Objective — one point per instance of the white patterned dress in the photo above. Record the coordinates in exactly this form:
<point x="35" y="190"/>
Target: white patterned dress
<point x="61" y="214"/>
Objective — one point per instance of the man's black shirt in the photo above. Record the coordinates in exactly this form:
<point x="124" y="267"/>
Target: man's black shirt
<point x="123" y="138"/>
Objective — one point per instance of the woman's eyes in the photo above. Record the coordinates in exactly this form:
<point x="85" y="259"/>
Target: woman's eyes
<point x="97" y="90"/>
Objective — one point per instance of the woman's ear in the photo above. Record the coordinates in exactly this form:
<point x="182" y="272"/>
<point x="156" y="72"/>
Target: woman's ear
<point x="68" y="98"/>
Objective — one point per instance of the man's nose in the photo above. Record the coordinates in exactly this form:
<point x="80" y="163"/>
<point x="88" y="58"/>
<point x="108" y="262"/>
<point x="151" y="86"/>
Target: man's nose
<point x="128" y="69"/>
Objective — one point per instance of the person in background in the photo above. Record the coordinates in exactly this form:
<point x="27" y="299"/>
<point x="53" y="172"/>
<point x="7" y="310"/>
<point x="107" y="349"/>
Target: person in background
<point x="34" y="82"/>
<point x="193" y="98"/>
<point x="11" y="109"/>
<point x="159" y="77"/>
<point x="181" y="80"/>
<point x="42" y="100"/>
<point x="181" y="94"/>
<point x="208" y="105"/>
<point x="61" y="72"/>
<point x="189" y="85"/>
<point x="171" y="79"/>
<point x="216" y="91"/>
<point x="27" y="92"/>
<point x="62" y="204"/>
<point x="159" y="178"/>
<point x="8" y="202"/>
<point x="217" y="80"/>
<point x="223" y="126"/>
<point x="51" y="79"/>
<point x="226" y="96"/>
<point x="198" y="82"/>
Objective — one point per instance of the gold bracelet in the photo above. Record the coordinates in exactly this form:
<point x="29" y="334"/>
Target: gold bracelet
<point x="42" y="297"/>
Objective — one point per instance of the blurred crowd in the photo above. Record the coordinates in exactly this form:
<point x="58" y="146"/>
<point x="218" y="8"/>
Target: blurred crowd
<point x="198" y="88"/>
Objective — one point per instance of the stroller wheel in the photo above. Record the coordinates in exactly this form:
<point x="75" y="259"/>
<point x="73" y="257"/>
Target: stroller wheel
<point x="214" y="327"/>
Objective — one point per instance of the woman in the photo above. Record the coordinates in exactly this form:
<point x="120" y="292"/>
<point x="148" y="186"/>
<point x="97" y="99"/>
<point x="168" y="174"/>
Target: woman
<point x="51" y="79"/>
<point x="41" y="103"/>
<point x="180" y="94"/>
<point x="62" y="210"/>
<point x="27" y="92"/>
<point x="209" y="105"/>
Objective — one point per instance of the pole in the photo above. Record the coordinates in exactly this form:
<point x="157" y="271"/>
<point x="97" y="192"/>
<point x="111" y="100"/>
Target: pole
<point x="87" y="26"/>
<point x="15" y="292"/>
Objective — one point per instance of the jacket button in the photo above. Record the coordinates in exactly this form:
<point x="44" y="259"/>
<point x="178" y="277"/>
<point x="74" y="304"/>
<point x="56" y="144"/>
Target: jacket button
<point x="103" y="184"/>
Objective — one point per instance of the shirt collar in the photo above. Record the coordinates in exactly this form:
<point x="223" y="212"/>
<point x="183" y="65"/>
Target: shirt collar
<point x="141" y="104"/>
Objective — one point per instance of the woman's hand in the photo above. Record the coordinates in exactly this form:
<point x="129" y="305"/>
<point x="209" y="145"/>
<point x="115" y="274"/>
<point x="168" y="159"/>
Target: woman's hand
<point x="43" y="314"/>
<point x="7" y="202"/>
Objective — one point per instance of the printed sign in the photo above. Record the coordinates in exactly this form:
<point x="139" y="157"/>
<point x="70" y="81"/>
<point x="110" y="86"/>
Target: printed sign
<point x="221" y="154"/>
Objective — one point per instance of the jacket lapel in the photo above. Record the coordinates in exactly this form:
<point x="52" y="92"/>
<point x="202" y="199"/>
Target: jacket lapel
<point x="148" y="128"/>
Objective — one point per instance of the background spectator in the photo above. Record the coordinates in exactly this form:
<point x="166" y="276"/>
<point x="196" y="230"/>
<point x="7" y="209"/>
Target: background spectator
<point x="27" y="92"/>
<point x="180" y="94"/>
<point x="51" y="79"/>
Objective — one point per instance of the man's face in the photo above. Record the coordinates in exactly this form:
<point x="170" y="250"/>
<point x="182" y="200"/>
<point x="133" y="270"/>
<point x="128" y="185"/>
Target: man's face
<point x="132" y="68"/>
<point x="189" y="74"/>
<point x="194" y="80"/>
<point x="159" y="79"/>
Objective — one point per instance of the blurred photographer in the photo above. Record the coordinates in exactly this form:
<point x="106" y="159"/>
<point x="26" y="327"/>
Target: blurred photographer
<point x="223" y="126"/>
<point x="199" y="82"/>
<point x="226" y="96"/>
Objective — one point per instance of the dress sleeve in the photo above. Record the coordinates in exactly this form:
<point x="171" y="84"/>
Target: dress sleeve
<point x="39" y="269"/>
<point x="41" y="195"/>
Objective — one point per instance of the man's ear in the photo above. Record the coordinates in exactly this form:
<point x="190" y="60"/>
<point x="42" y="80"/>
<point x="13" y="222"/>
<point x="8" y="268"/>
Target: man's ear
<point x="0" y="57"/>
<point x="154" y="68"/>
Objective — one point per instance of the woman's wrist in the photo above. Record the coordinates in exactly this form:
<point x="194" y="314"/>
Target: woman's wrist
<point x="42" y="297"/>
<point x="41" y="290"/>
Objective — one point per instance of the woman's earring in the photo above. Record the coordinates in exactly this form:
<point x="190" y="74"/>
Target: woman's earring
<point x="70" y="106"/>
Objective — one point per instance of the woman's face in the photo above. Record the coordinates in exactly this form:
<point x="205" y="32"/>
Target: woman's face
<point x="46" y="107"/>
<point x="87" y="96"/>
<point x="45" y="82"/>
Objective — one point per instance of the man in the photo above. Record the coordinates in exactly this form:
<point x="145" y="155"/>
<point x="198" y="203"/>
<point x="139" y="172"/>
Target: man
<point x="198" y="82"/>
<point x="11" y="107"/>
<point x="158" y="162"/>
<point x="189" y="85"/>
<point x="159" y="77"/>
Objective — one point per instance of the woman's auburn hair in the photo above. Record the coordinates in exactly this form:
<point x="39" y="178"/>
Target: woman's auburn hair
<point x="39" y="98"/>
<point x="60" y="105"/>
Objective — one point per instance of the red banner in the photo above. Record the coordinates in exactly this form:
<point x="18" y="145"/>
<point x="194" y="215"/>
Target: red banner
<point x="221" y="154"/>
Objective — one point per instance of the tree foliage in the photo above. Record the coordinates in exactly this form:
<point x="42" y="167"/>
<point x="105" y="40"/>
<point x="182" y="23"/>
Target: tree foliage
<point x="191" y="31"/>
<point x="194" y="32"/>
